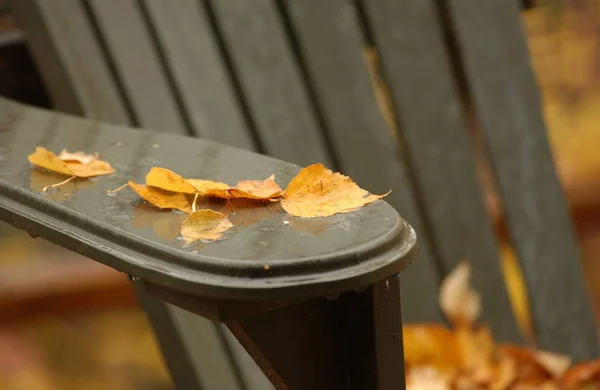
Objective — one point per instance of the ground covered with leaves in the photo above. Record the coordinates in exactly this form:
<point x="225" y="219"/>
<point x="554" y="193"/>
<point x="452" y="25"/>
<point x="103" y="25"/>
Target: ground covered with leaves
<point x="465" y="356"/>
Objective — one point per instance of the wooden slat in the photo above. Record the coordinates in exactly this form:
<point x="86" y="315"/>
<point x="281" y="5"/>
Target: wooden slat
<point x="271" y="80"/>
<point x="199" y="71"/>
<point x="367" y="148"/>
<point x="69" y="59"/>
<point x="138" y="65"/>
<point x="508" y="106"/>
<point x="416" y="64"/>
<point x="253" y="377"/>
<point x="190" y="345"/>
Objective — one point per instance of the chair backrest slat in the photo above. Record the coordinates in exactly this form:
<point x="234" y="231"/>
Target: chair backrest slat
<point x="416" y="64"/>
<point x="70" y="59"/>
<point x="331" y="41"/>
<point x="199" y="72"/>
<point x="138" y="65"/>
<point x="508" y="106"/>
<point x="271" y="80"/>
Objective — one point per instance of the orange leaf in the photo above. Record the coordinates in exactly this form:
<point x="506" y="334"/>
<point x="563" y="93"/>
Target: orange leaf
<point x="477" y="350"/>
<point x="168" y="180"/>
<point x="460" y="303"/>
<point x="204" y="225"/>
<point x="318" y="192"/>
<point x="432" y="345"/>
<point x="162" y="199"/>
<point x="245" y="189"/>
<point x="582" y="374"/>
<point x="529" y="370"/>
<point x="44" y="158"/>
<point x="259" y="189"/>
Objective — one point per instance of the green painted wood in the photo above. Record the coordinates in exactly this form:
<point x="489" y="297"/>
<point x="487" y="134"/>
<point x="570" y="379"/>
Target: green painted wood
<point x="70" y="59"/>
<point x="366" y="147"/>
<point x="416" y="65"/>
<point x="253" y="377"/>
<point x="208" y="356"/>
<point x="271" y="81"/>
<point x="317" y="257"/>
<point x="508" y="107"/>
<point x="138" y="64"/>
<point x="195" y="60"/>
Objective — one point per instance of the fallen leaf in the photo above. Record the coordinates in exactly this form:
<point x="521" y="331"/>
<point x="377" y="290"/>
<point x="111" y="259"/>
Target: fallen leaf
<point x="169" y="180"/>
<point x="505" y="374"/>
<point x="582" y="374"/>
<point x="427" y="378"/>
<point x="94" y="168"/>
<point x="204" y="225"/>
<point x="318" y="192"/>
<point x="78" y="156"/>
<point x="260" y="189"/>
<point x="245" y="189"/>
<point x="476" y="349"/>
<point x="432" y="345"/>
<point x="161" y="198"/>
<point x="529" y="370"/>
<point x="556" y="364"/>
<point x="43" y="158"/>
<point x="459" y="302"/>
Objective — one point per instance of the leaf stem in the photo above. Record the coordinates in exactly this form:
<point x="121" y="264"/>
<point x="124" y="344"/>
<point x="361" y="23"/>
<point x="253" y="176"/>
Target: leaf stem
<point x="58" y="184"/>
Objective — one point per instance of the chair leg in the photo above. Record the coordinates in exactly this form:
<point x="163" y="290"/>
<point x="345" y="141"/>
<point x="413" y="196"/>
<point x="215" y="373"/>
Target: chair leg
<point x="351" y="342"/>
<point x="195" y="349"/>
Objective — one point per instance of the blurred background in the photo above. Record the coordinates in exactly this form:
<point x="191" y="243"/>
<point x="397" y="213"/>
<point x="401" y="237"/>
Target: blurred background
<point x="67" y="322"/>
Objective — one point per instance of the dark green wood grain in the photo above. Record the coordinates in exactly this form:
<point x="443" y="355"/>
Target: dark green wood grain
<point x="508" y="107"/>
<point x="416" y="64"/>
<point x="365" y="146"/>
<point x="271" y="81"/>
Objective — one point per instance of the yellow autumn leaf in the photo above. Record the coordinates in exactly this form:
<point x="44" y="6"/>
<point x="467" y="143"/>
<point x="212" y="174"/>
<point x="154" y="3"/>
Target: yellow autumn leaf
<point x="318" y="192"/>
<point x="204" y="225"/>
<point x="168" y="180"/>
<point x="161" y="198"/>
<point x="459" y="302"/>
<point x="71" y="166"/>
<point x="44" y="158"/>
<point x="245" y="189"/>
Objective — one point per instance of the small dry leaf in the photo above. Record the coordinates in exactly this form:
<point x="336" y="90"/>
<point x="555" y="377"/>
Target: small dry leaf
<point x="162" y="199"/>
<point x="529" y="369"/>
<point x="78" y="156"/>
<point x="260" y="189"/>
<point x="168" y="180"/>
<point x="204" y="225"/>
<point x="556" y="364"/>
<point x="432" y="345"/>
<point x="318" y="192"/>
<point x="427" y="378"/>
<point x="44" y="158"/>
<point x="245" y="189"/>
<point x="581" y="375"/>
<point x="459" y="302"/>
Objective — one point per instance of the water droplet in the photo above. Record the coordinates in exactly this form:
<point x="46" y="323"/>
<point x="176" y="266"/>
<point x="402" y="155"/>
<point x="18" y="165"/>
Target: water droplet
<point x="50" y="191"/>
<point x="133" y="278"/>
